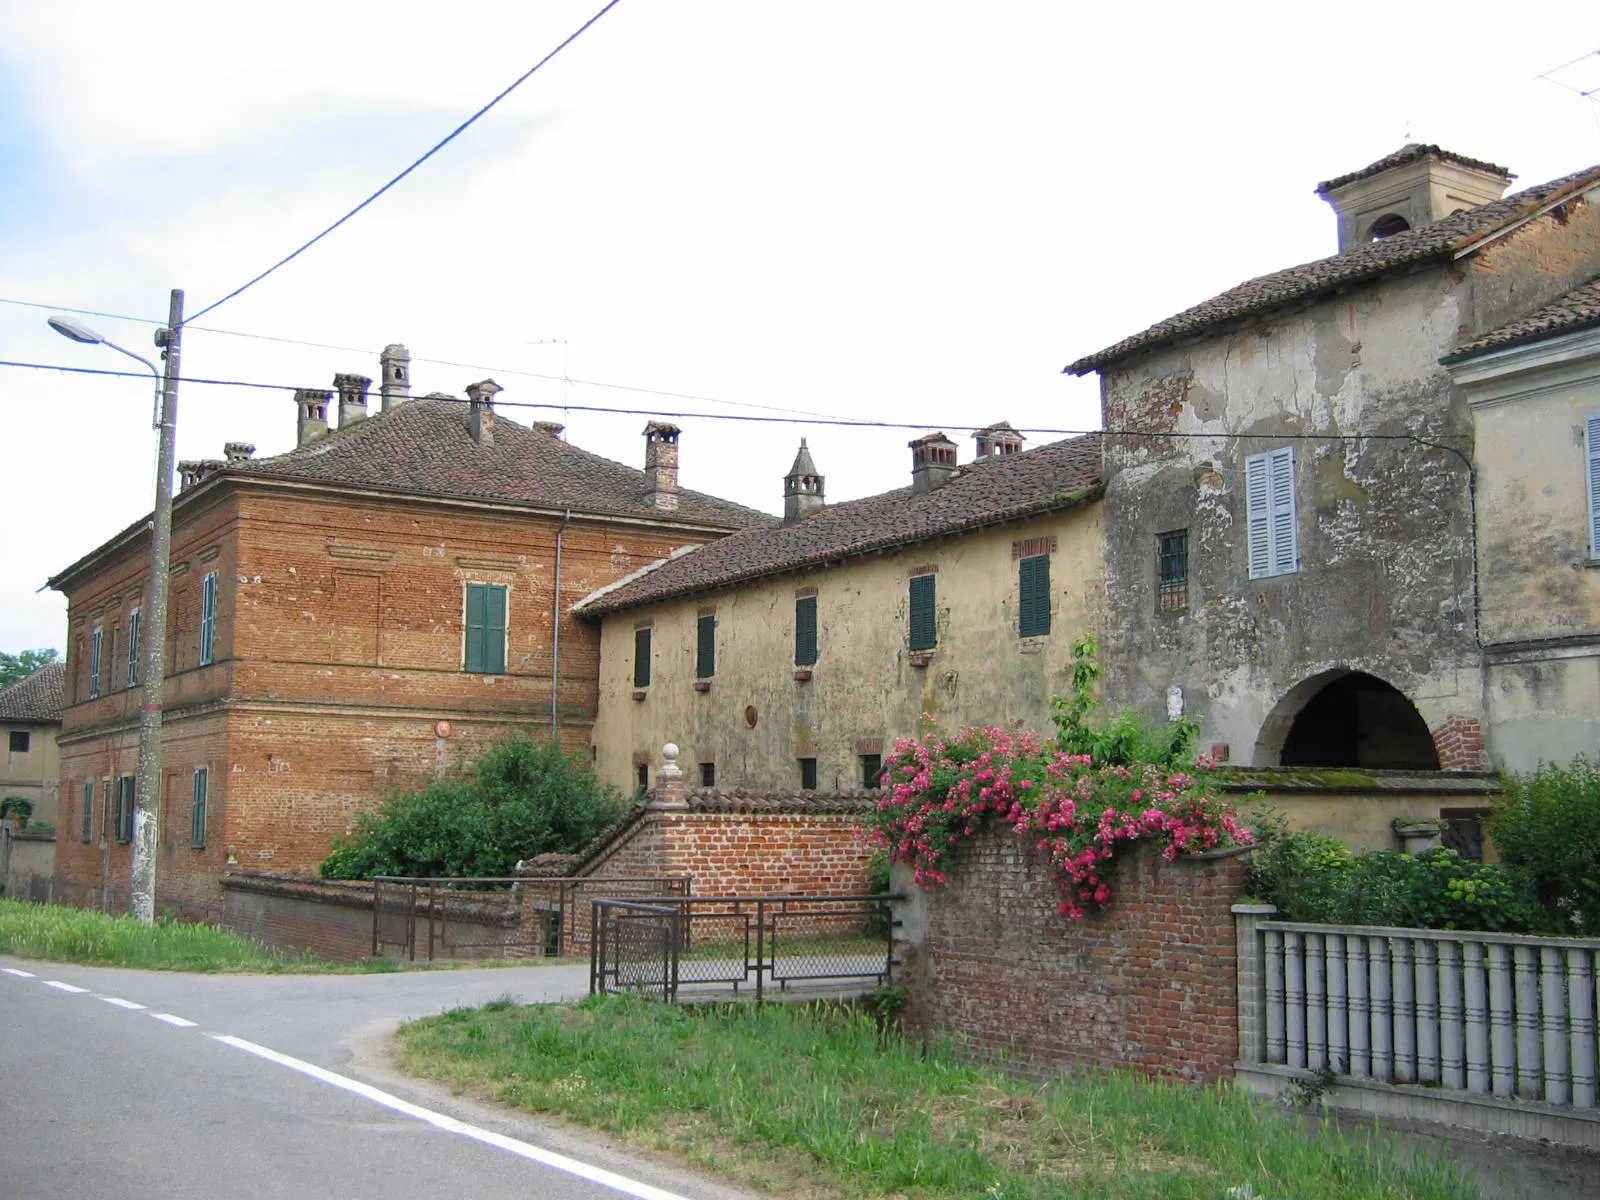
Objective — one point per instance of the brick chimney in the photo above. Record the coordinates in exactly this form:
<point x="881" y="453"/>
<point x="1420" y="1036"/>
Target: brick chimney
<point x="193" y="471"/>
<point x="237" y="451"/>
<point x="661" y="464"/>
<point x="480" y="412"/>
<point x="998" y="440"/>
<point x="312" y="408"/>
<point x="802" y="488"/>
<point x="352" y="398"/>
<point x="933" y="462"/>
<point x="395" y="368"/>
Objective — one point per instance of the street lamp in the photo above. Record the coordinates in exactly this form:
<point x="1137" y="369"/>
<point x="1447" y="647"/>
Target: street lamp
<point x="153" y="620"/>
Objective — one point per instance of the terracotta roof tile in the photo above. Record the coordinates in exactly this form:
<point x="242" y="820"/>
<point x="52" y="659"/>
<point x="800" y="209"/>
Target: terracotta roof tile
<point x="985" y="492"/>
<point x="1438" y="240"/>
<point x="1576" y="310"/>
<point x="1410" y="154"/>
<point x="423" y="447"/>
<point x="36" y="697"/>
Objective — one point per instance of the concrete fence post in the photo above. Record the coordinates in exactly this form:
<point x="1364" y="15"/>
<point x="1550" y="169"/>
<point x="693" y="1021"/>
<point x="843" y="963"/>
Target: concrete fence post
<point x="1251" y="977"/>
<point x="670" y="785"/>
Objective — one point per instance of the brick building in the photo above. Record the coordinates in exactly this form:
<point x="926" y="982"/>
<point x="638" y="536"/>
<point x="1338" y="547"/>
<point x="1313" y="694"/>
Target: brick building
<point x="359" y="613"/>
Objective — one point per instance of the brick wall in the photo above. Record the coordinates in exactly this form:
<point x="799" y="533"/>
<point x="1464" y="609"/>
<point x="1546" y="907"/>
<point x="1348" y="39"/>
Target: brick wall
<point x="1148" y="983"/>
<point x="1459" y="742"/>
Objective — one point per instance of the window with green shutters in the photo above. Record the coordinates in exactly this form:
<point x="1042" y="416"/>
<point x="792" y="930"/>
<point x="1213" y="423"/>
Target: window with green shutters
<point x="805" y="631"/>
<point x="135" y="620"/>
<point x="197" y="818"/>
<point x="808" y="774"/>
<point x="96" y="645"/>
<point x="87" y="833"/>
<point x="105" y="809"/>
<point x="1033" y="591"/>
<point x="641" y="657"/>
<point x="125" y="808"/>
<point x="705" y="651"/>
<point x="924" y="630"/>
<point x="208" y="619"/>
<point x="486" y="629"/>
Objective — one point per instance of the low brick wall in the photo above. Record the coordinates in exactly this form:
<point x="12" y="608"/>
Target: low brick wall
<point x="1147" y="983"/>
<point x="27" y="860"/>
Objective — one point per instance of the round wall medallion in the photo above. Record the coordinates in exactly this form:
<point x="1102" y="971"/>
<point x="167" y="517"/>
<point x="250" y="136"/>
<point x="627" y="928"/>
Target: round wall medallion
<point x="751" y="716"/>
<point x="442" y="728"/>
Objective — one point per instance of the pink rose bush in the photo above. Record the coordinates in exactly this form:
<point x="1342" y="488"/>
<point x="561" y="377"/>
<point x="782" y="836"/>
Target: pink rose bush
<point x="938" y="791"/>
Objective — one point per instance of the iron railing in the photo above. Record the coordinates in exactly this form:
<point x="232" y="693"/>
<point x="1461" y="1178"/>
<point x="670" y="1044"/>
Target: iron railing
<point x="655" y="946"/>
<point x="493" y="916"/>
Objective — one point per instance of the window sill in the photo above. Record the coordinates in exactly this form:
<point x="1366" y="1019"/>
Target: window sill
<point x="640" y="695"/>
<point x="802" y="674"/>
<point x="702" y="685"/>
<point x="1588" y="564"/>
<point x="921" y="658"/>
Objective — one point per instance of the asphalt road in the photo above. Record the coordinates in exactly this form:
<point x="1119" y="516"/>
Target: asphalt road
<point x="134" y="1085"/>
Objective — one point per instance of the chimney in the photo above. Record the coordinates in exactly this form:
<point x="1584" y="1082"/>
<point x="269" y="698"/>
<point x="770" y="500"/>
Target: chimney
<point x="480" y="413"/>
<point x="237" y="451"/>
<point x="998" y="440"/>
<point x="395" y="367"/>
<point x="312" y="404"/>
<point x="352" y="398"/>
<point x="1416" y="185"/>
<point x="554" y="428"/>
<point x="193" y="471"/>
<point x="802" y="488"/>
<point x="661" y="464"/>
<point x="933" y="462"/>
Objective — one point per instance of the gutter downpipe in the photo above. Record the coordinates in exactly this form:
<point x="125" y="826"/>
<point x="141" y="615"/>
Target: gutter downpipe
<point x="555" y="630"/>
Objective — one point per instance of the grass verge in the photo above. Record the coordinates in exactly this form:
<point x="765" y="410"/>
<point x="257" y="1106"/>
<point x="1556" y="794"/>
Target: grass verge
<point x="59" y="934"/>
<point x="819" y="1100"/>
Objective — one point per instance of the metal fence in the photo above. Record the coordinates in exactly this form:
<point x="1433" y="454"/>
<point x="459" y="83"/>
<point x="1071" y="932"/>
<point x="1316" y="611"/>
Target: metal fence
<point x="659" y="945"/>
<point x="1496" y="1014"/>
<point x="567" y="899"/>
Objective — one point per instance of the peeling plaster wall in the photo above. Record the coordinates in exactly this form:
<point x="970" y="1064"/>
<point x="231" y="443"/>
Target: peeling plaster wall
<point x="1385" y="579"/>
<point x="864" y="688"/>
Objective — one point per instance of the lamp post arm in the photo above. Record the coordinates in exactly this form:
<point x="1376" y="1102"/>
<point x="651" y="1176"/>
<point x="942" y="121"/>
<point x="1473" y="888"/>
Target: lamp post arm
<point x="155" y="414"/>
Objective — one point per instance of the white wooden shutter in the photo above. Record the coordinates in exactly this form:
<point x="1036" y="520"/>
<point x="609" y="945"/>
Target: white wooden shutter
<point x="1285" y="543"/>
<point x="1256" y="502"/>
<point x="1591" y="444"/>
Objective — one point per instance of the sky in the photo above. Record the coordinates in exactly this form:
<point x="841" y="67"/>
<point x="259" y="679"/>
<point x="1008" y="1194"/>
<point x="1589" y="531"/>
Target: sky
<point x="916" y="213"/>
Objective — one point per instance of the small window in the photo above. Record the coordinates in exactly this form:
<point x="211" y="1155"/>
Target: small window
<point x="125" y="795"/>
<point x="1269" y="497"/>
<point x="1033" y="596"/>
<point x="96" y="645"/>
<point x="20" y="740"/>
<point x="135" y="621"/>
<point x="641" y="657"/>
<point x="808" y="774"/>
<point x="708" y="774"/>
<point x="197" y="819"/>
<point x="642" y="777"/>
<point x="208" y="619"/>
<point x="705" y="651"/>
<point x="805" y="631"/>
<point x="1388" y="225"/>
<point x="1591" y="442"/>
<point x="1172" y="571"/>
<point x="86" y="829"/>
<point x="871" y="769"/>
<point x="485" y="649"/>
<point x="924" y="630"/>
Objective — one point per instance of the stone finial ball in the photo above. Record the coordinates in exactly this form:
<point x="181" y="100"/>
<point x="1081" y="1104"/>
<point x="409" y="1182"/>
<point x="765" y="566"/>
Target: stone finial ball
<point x="670" y="752"/>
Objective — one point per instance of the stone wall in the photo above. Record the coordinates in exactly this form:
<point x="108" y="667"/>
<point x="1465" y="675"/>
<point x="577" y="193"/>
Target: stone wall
<point x="1147" y="983"/>
<point x="26" y="861"/>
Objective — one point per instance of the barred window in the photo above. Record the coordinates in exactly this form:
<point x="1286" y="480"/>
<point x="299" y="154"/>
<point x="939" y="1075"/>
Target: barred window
<point x="1172" y="559"/>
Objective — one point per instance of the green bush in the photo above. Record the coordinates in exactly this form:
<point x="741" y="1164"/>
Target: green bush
<point x="1548" y="828"/>
<point x="521" y="798"/>
<point x="1127" y="737"/>
<point x="16" y="805"/>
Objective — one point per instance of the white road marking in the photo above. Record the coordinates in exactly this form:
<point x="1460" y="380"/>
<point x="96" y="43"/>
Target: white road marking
<point x="620" y="1183"/>
<point x="17" y="973"/>
<point x="119" y="1002"/>
<point x="180" y="1022"/>
<point x="65" y="987"/>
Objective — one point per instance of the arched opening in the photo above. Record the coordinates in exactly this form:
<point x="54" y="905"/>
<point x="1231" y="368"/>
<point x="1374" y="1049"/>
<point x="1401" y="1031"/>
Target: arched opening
<point x="1387" y="226"/>
<point x="1349" y="719"/>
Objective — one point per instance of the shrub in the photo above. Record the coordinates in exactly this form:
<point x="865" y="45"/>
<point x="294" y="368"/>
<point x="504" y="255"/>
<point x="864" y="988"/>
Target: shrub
<point x="1548" y="828"/>
<point x="1127" y="738"/>
<point x="16" y="805"/>
<point x="521" y="798"/>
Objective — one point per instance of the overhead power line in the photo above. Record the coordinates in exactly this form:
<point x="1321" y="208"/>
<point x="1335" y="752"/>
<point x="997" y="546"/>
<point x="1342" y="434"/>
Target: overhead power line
<point x="749" y="418"/>
<point x="445" y="141"/>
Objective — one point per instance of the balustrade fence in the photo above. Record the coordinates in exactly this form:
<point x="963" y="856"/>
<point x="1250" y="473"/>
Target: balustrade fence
<point x="1496" y="1014"/>
<point x="655" y="946"/>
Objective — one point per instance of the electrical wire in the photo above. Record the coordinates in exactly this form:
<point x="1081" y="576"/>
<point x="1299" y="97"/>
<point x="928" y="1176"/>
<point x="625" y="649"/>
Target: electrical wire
<point x="830" y="421"/>
<point x="448" y="138"/>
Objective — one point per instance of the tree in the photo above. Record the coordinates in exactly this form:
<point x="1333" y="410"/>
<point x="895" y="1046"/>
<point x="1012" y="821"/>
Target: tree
<point x="19" y="666"/>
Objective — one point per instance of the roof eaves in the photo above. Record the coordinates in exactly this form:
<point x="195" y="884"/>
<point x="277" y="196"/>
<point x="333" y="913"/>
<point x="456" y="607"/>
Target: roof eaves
<point x="594" y="597"/>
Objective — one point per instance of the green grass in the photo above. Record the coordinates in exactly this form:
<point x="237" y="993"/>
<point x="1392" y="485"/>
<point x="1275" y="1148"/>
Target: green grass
<point x="818" y="1099"/>
<point x="60" y="934"/>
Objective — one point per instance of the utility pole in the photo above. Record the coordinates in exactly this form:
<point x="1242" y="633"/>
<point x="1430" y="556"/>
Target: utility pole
<point x="153" y="623"/>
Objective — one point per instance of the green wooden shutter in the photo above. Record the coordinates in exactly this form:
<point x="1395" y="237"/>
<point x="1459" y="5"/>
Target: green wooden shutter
<point x="97" y="642"/>
<point x="1592" y="447"/>
<point x="705" y="651"/>
<point x="208" y="618"/>
<point x="477" y="606"/>
<point x="805" y="631"/>
<point x="105" y="810"/>
<point x="494" y="629"/>
<point x="924" y="631"/>
<point x="1033" y="593"/>
<point x="641" y="658"/>
<point x="197" y="820"/>
<point x="135" y="620"/>
<point x="88" y="810"/>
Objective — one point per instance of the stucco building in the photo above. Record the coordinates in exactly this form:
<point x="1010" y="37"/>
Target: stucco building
<point x="359" y="613"/>
<point x="1533" y="386"/>
<point x="1289" y="478"/>
<point x="30" y="718"/>
<point x="794" y="656"/>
